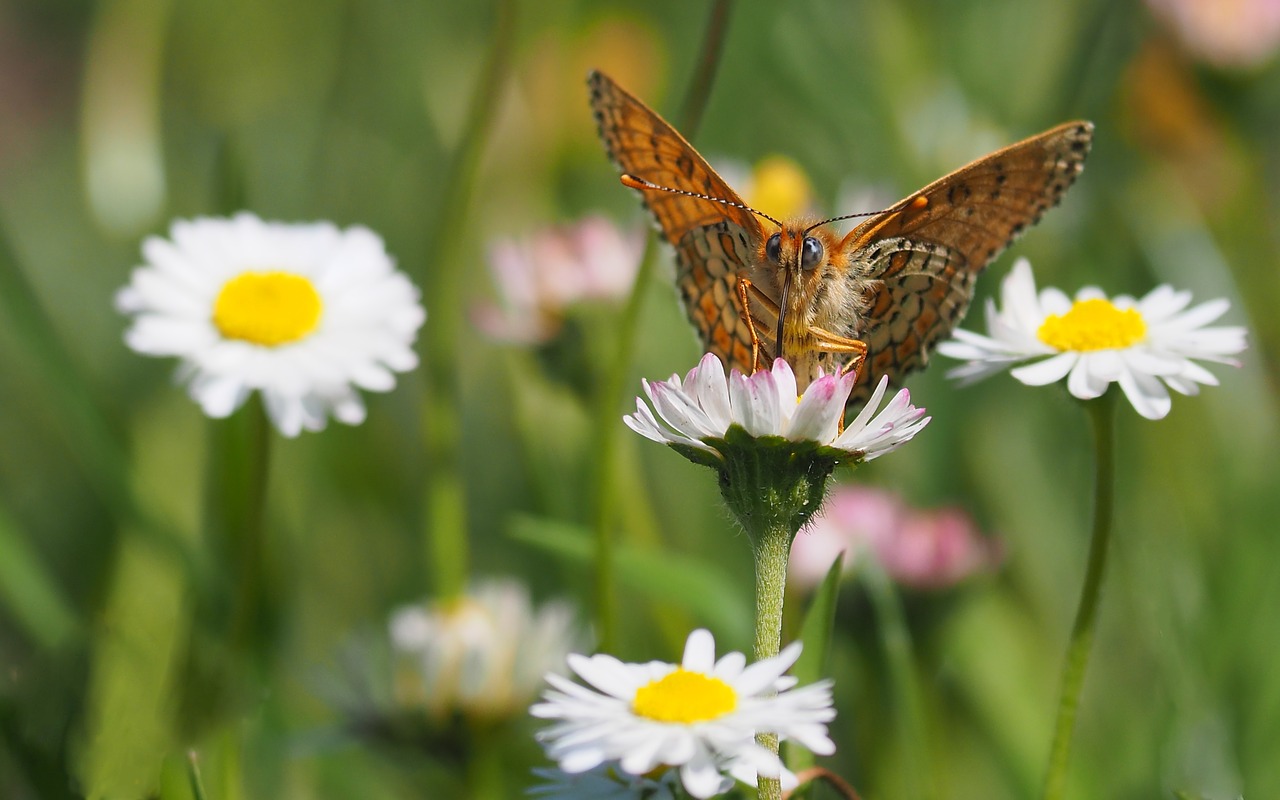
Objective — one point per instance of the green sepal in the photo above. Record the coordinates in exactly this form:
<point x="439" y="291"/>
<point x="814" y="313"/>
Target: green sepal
<point x="770" y="481"/>
<point x="697" y="455"/>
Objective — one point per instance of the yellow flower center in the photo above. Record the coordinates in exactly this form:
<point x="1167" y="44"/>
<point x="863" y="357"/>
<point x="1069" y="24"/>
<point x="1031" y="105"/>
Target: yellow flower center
<point x="685" y="696"/>
<point x="779" y="187"/>
<point x="267" y="308"/>
<point x="1094" y="324"/>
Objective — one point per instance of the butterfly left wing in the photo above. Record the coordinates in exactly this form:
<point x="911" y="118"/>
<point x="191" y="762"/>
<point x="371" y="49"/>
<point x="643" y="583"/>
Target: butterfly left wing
<point x="715" y="242"/>
<point x="923" y="256"/>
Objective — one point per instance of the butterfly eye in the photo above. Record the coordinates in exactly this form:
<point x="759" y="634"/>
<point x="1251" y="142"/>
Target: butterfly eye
<point x="773" y="248"/>
<point x="810" y="253"/>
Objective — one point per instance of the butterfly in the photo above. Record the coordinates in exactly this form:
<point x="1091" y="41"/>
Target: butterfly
<point x="877" y="299"/>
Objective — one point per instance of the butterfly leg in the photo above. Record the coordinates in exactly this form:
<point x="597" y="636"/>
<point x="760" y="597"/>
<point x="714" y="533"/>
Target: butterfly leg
<point x="746" y="292"/>
<point x="829" y="342"/>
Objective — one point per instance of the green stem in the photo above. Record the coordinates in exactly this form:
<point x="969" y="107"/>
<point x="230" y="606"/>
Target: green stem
<point x="447" y="550"/>
<point x="695" y="101"/>
<point x="193" y="776"/>
<point x="1102" y="415"/>
<point x="895" y="637"/>
<point x="486" y="776"/>
<point x="611" y="386"/>
<point x="772" y="546"/>
<point x="235" y="516"/>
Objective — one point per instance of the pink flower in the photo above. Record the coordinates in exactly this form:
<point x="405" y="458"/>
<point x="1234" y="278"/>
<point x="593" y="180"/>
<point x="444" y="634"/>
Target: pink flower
<point x="539" y="276"/>
<point x="1228" y="34"/>
<point x="917" y="548"/>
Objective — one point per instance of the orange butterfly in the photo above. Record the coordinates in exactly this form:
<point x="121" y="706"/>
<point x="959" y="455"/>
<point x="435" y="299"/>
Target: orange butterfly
<point x="886" y="292"/>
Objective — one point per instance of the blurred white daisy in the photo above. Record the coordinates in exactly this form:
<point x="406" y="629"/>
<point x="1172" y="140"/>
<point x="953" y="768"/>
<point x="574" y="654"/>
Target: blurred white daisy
<point x="1144" y="345"/>
<point x="482" y="655"/>
<point x="304" y="313"/>
<point x="700" y="716"/>
<point x="699" y="410"/>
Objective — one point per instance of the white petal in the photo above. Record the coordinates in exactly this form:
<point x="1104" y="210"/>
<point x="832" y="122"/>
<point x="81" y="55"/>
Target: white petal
<point x="1147" y="394"/>
<point x="818" y="415"/>
<point x="711" y="389"/>
<point x="1042" y="373"/>
<point x="702" y="778"/>
<point x="679" y="411"/>
<point x="1054" y="301"/>
<point x="1083" y="382"/>
<point x="784" y="389"/>
<point x="699" y="651"/>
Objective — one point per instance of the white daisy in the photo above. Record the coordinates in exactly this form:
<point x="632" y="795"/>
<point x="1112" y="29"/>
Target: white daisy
<point x="482" y="655"/>
<point x="1145" y="345"/>
<point x="304" y="313"/>
<point x="699" y="410"/>
<point x="700" y="716"/>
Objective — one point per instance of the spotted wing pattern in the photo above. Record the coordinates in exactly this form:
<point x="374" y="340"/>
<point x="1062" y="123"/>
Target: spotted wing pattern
<point x="708" y="261"/>
<point x="924" y="255"/>
<point x="713" y="241"/>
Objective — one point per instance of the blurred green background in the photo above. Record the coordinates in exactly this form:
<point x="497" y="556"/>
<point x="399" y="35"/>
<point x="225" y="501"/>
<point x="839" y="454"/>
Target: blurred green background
<point x="117" y="117"/>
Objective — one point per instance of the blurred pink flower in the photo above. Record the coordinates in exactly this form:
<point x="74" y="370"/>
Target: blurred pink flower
<point x="922" y="549"/>
<point x="540" y="275"/>
<point x="1231" y="34"/>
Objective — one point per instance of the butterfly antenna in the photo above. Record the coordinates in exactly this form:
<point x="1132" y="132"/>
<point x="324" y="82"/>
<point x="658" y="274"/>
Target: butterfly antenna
<point x="632" y="182"/>
<point x="844" y="216"/>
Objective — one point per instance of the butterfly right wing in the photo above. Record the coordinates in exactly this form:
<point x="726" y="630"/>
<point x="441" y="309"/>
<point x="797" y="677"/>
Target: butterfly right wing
<point x="714" y="242"/>
<point x="924" y="254"/>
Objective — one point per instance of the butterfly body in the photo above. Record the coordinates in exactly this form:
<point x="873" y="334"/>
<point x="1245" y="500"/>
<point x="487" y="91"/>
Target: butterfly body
<point x="818" y="288"/>
<point x="886" y="291"/>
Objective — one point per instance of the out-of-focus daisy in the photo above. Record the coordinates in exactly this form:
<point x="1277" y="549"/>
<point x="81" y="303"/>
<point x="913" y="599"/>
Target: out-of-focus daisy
<point x="541" y="275"/>
<point x="700" y="716"/>
<point x="304" y="313"/>
<point x="606" y="782"/>
<point x="1144" y="345"/>
<point x="482" y="655"/>
<point x="1237" y="34"/>
<point x="924" y="549"/>
<point x="697" y="412"/>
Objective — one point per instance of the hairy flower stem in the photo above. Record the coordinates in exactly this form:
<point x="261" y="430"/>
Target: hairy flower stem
<point x="772" y="490"/>
<point x="1102" y="415"/>
<point x="606" y="412"/>
<point x="772" y="547"/>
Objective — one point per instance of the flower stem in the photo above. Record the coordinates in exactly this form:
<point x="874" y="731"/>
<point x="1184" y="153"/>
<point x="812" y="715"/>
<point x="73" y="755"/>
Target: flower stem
<point x="447" y="550"/>
<point x="1102" y="415"/>
<point x="485" y="768"/>
<point x="895" y="637"/>
<point x="236" y="477"/>
<point x="695" y="101"/>
<point x="193" y="776"/>
<point x="772" y="546"/>
<point x="606" y="412"/>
